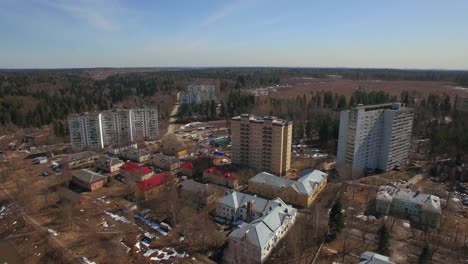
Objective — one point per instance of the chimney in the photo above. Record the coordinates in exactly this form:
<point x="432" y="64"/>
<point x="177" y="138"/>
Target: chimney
<point x="249" y="211"/>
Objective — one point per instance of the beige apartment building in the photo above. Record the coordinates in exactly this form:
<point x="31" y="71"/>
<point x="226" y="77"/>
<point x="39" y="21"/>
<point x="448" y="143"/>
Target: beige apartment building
<point x="262" y="143"/>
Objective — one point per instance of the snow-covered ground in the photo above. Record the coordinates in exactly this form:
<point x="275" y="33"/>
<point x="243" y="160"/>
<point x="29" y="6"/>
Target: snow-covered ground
<point x="164" y="254"/>
<point x="117" y="218"/>
<point x="52" y="232"/>
<point x="153" y="225"/>
<point x="87" y="261"/>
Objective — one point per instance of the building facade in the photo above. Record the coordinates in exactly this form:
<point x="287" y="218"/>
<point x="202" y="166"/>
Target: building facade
<point x="195" y="94"/>
<point x="85" y="130"/>
<point x="301" y="192"/>
<point x="374" y="137"/>
<point x="113" y="127"/>
<point x="262" y="143"/>
<point x="415" y="206"/>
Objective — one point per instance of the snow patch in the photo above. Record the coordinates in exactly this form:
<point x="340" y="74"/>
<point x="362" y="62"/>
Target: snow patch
<point x="86" y="260"/>
<point x="117" y="218"/>
<point x="164" y="254"/>
<point x="52" y="232"/>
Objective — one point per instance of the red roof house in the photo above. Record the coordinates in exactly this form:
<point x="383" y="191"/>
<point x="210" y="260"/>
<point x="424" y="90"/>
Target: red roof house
<point x="216" y="176"/>
<point x="147" y="189"/>
<point x="187" y="168"/>
<point x="136" y="173"/>
<point x="154" y="181"/>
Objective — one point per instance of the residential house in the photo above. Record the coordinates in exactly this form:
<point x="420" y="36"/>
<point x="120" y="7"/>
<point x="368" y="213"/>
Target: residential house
<point x="216" y="176"/>
<point x="165" y="162"/>
<point x="187" y="168"/>
<point x="136" y="155"/>
<point x="108" y="164"/>
<point x="135" y="173"/>
<point x="199" y="194"/>
<point x="148" y="189"/>
<point x="81" y="160"/>
<point x="87" y="179"/>
<point x="415" y="206"/>
<point x="239" y="207"/>
<point x="266" y="223"/>
<point x="301" y="192"/>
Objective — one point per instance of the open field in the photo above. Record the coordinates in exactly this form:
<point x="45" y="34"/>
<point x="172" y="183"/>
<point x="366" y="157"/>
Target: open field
<point x="299" y="87"/>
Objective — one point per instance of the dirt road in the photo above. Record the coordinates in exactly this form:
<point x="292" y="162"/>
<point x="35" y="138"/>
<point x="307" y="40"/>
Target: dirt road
<point x="172" y="127"/>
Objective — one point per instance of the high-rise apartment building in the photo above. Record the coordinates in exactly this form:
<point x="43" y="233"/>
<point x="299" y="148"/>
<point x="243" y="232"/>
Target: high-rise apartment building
<point x="374" y="137"/>
<point x="262" y="143"/>
<point x="85" y="130"/>
<point x="113" y="127"/>
<point x="195" y="94"/>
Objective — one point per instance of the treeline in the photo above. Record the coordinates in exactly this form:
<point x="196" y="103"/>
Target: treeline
<point x="33" y="99"/>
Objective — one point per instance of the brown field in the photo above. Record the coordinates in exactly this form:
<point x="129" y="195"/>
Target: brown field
<point x="299" y="87"/>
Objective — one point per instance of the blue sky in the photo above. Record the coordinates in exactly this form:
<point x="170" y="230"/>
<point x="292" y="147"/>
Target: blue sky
<point x="303" y="33"/>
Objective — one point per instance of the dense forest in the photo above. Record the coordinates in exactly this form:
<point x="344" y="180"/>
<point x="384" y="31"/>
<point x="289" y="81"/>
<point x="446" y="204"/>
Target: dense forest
<point x="33" y="98"/>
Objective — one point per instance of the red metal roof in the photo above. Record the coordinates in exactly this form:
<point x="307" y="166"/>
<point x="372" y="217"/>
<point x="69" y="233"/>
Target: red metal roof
<point x="187" y="165"/>
<point x="154" y="181"/>
<point x="230" y="175"/>
<point x="135" y="168"/>
<point x="210" y="170"/>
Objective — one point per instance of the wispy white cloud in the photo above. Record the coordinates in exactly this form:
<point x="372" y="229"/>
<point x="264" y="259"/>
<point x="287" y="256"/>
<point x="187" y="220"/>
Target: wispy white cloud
<point x="221" y="13"/>
<point x="92" y="12"/>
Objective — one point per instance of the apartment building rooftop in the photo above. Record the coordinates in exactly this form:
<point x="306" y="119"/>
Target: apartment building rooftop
<point x="258" y="119"/>
<point x="386" y="106"/>
<point x="427" y="201"/>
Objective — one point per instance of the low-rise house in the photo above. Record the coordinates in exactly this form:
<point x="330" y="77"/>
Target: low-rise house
<point x="165" y="162"/>
<point x="216" y="176"/>
<point x="301" y="192"/>
<point x="373" y="258"/>
<point x="136" y="155"/>
<point x="238" y="207"/>
<point x="199" y="194"/>
<point x="177" y="149"/>
<point x="87" y="179"/>
<point x="81" y="160"/>
<point x="108" y="164"/>
<point x="149" y="189"/>
<point x="135" y="173"/>
<point x="187" y="168"/>
<point x="269" y="222"/>
<point x="415" y="206"/>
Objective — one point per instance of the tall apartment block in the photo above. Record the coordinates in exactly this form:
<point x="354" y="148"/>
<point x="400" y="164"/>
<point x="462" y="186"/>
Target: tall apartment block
<point x="195" y="94"/>
<point x="85" y="130"/>
<point x="374" y="137"/>
<point x="113" y="127"/>
<point x="262" y="143"/>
